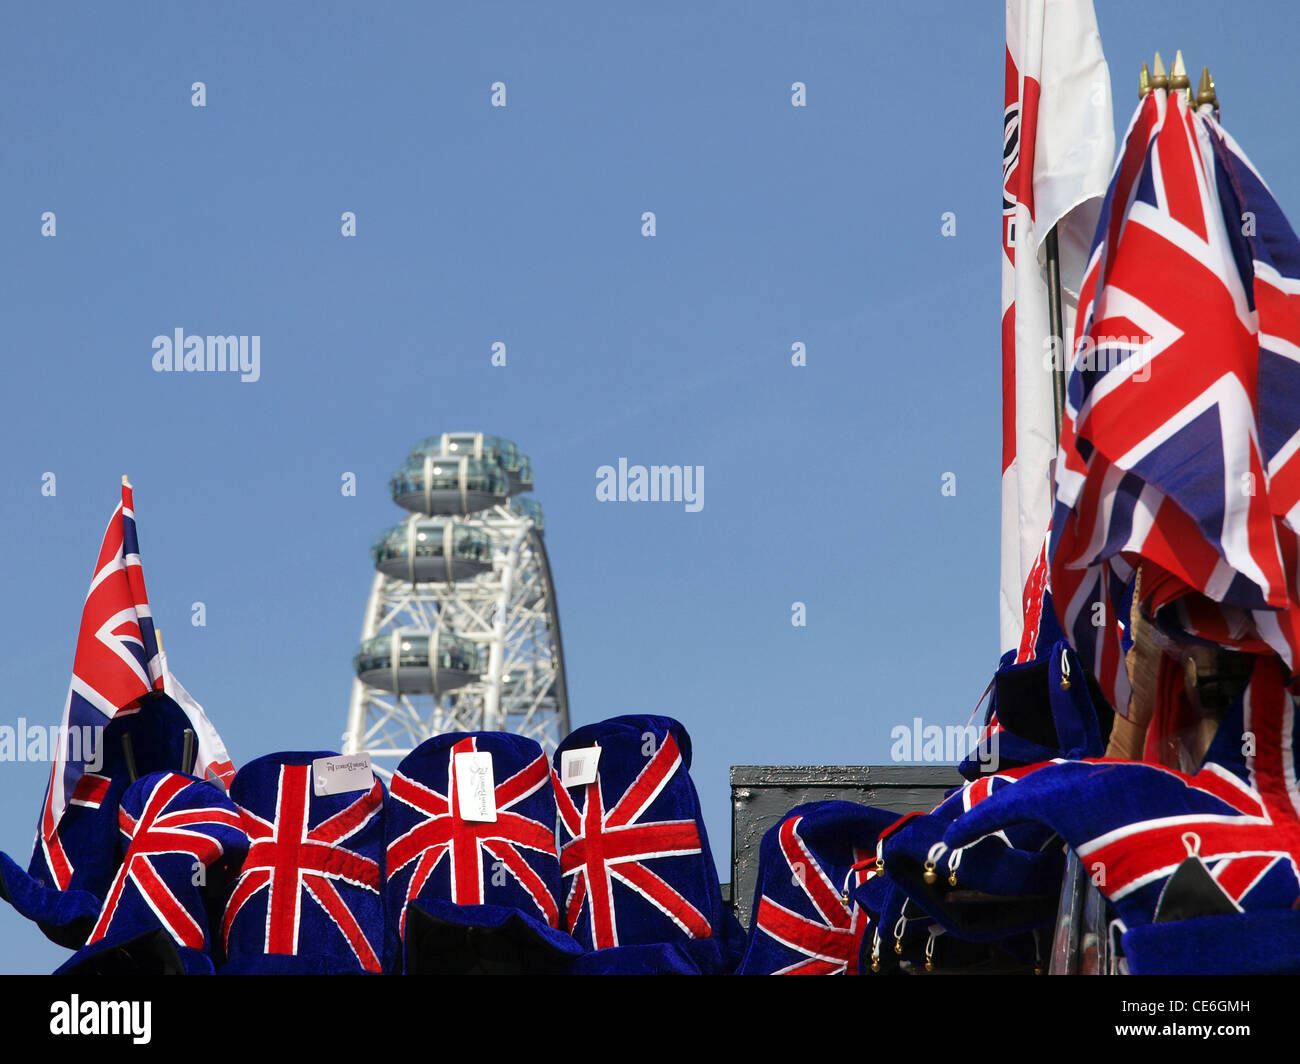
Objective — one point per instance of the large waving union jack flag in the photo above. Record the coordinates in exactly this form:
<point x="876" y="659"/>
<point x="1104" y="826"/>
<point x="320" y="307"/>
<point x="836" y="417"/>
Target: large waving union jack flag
<point x="310" y="885"/>
<point x="468" y="850"/>
<point x="1183" y="412"/>
<point x="633" y="874"/>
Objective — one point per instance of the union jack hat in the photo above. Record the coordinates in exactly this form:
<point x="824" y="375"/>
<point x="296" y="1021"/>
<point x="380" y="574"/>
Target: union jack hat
<point x="85" y="844"/>
<point x="1251" y="943"/>
<point x="184" y="841"/>
<point x="999" y="885"/>
<point x="1040" y="709"/>
<point x="1134" y="825"/>
<point x="473" y="870"/>
<point x="903" y="937"/>
<point x="807" y="920"/>
<point x="640" y="887"/>
<point x="309" y="896"/>
<point x="900" y="930"/>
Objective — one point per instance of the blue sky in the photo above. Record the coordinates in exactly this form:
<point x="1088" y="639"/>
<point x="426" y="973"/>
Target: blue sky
<point x="522" y="225"/>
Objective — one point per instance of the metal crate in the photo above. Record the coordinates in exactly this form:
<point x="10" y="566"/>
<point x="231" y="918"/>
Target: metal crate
<point x="762" y="794"/>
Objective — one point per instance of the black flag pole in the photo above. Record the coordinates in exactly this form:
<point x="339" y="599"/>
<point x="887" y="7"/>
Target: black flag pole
<point x="1056" y="327"/>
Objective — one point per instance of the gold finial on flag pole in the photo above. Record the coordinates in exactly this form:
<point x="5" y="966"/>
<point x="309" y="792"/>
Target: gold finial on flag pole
<point x="126" y="479"/>
<point x="1144" y="83"/>
<point x="1178" y="75"/>
<point x="1205" y="91"/>
<point x="1159" y="77"/>
<point x="1178" y="79"/>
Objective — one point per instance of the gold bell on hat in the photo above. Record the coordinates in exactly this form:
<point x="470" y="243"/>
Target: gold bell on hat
<point x="952" y="878"/>
<point x="930" y="875"/>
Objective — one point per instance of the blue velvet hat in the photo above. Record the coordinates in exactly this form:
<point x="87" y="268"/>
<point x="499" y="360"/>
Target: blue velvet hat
<point x="474" y="876"/>
<point x="64" y="901"/>
<point x="806" y="918"/>
<point x="641" y="888"/>
<point x="184" y="842"/>
<point x="309" y="897"/>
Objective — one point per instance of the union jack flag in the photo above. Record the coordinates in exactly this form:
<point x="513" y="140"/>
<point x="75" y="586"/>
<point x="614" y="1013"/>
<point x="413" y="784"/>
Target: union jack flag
<point x="1133" y="824"/>
<point x="302" y="887"/>
<point x="171" y="824"/>
<point x="1183" y="400"/>
<point x="471" y="848"/>
<point x="116" y="663"/>
<point x="831" y="942"/>
<point x="617" y="843"/>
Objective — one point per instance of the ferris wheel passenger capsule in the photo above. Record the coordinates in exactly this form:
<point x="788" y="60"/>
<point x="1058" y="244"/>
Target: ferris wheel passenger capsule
<point x="424" y="552"/>
<point x="409" y="662"/>
<point x="449" y="484"/>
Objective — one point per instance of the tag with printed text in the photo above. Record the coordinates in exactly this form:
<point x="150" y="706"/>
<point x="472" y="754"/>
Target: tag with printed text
<point x="338" y="775"/>
<point x="475" y="788"/>
<point x="578" y="767"/>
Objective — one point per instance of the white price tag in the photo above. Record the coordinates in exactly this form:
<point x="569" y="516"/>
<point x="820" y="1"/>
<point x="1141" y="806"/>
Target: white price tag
<point x="578" y="767"/>
<point x="338" y="775"/>
<point x="476" y="796"/>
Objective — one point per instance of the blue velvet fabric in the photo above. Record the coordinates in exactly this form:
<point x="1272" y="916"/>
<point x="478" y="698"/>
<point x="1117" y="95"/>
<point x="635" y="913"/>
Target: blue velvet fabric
<point x="309" y="897"/>
<point x="1017" y="872"/>
<point x="635" y="859"/>
<point x="1045" y="708"/>
<point x="184" y="842"/>
<point x="500" y="879"/>
<point x="1266" y="942"/>
<point x="88" y="829"/>
<point x="805" y="918"/>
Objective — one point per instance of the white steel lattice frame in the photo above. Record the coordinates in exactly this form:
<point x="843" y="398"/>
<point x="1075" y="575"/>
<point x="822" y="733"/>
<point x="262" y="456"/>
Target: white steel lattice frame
<point x="510" y="611"/>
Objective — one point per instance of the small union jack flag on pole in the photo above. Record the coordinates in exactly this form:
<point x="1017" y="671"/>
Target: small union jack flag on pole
<point x="117" y="662"/>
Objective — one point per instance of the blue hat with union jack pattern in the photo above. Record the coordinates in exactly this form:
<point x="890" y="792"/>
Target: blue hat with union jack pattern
<point x="1248" y="943"/>
<point x="640" y="887"/>
<point x="309" y="896"/>
<point x="999" y="885"/>
<point x="70" y="872"/>
<point x="1049" y="706"/>
<point x="806" y="920"/>
<point x="1134" y="825"/>
<point x="184" y="842"/>
<point x="473" y="870"/>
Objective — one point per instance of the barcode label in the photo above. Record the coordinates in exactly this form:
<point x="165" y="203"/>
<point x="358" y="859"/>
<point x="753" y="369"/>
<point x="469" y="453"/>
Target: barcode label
<point x="578" y="767"/>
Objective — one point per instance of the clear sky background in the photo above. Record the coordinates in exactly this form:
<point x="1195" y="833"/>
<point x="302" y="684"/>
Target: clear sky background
<point x="476" y="224"/>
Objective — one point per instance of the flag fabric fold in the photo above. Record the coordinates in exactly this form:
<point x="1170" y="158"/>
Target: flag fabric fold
<point x="1058" y="143"/>
<point x="1182" y="410"/>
